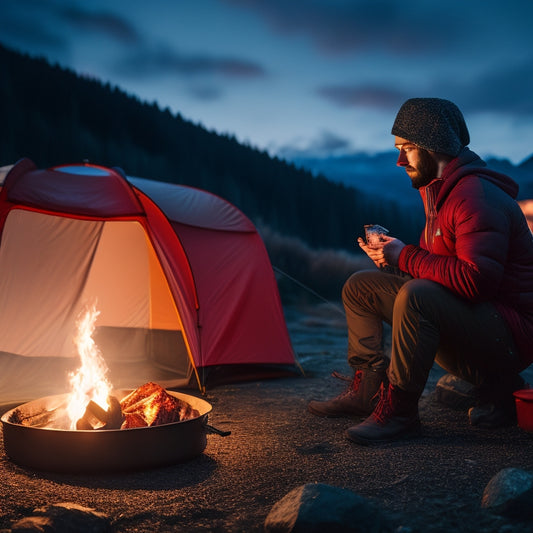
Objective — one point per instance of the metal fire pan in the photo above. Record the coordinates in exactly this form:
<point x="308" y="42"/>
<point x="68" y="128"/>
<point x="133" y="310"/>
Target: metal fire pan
<point x="96" y="451"/>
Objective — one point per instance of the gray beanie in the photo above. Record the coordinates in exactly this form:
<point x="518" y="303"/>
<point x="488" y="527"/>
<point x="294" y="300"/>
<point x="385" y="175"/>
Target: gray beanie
<point x="432" y="123"/>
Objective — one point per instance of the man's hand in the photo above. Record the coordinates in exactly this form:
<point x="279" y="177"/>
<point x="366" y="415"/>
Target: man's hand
<point x="391" y="250"/>
<point x="375" y="252"/>
<point x="386" y="253"/>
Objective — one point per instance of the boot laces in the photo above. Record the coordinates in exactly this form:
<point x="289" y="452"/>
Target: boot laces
<point x="354" y="383"/>
<point x="383" y="410"/>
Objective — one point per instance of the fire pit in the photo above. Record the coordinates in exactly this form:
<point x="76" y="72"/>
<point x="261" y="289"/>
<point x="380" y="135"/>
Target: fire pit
<point x="106" y="450"/>
<point x="96" y="429"/>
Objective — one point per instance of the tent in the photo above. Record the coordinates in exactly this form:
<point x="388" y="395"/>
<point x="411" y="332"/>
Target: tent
<point x="180" y="278"/>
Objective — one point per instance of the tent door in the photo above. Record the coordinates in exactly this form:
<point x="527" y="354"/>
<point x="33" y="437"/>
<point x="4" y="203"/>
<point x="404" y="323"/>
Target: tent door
<point x="51" y="267"/>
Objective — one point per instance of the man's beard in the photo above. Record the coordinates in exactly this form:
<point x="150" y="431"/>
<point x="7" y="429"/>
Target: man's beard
<point x="425" y="171"/>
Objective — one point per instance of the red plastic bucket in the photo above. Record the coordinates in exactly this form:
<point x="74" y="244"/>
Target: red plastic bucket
<point x="524" y="408"/>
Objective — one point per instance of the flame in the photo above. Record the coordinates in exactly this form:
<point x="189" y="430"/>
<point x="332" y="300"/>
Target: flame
<point x="89" y="382"/>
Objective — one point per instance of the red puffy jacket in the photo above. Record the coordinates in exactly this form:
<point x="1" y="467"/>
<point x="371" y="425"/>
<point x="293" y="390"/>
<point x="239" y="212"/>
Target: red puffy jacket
<point x="477" y="243"/>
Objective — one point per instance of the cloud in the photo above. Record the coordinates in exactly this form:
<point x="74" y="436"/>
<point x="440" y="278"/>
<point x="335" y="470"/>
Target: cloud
<point x="326" y="143"/>
<point x="152" y="61"/>
<point x="102" y="22"/>
<point x="29" y="33"/>
<point x="329" y="142"/>
<point x="341" y="26"/>
<point x="24" y="27"/>
<point x="45" y="24"/>
<point x="380" y="97"/>
<point x="420" y="28"/>
<point x="507" y="89"/>
<point x="205" y="92"/>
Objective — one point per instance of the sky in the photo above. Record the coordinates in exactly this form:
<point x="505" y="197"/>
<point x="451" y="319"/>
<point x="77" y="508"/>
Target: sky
<point x="299" y="77"/>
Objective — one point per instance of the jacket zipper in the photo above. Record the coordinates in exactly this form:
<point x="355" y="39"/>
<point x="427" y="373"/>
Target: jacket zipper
<point x="430" y="216"/>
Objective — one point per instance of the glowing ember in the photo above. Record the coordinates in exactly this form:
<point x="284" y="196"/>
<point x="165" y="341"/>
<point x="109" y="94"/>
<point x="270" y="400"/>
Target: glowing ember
<point x="89" y="382"/>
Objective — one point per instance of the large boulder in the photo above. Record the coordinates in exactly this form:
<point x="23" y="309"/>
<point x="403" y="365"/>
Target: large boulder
<point x="63" y="518"/>
<point x="510" y="493"/>
<point x="316" y="507"/>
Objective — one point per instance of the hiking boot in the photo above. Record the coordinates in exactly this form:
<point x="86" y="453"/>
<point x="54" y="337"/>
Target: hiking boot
<point x="395" y="417"/>
<point x="359" y="399"/>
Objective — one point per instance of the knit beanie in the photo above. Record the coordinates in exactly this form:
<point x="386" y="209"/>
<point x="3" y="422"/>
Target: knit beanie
<point x="432" y="123"/>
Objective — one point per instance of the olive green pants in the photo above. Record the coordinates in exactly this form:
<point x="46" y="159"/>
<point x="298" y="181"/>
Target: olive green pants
<point x="429" y="323"/>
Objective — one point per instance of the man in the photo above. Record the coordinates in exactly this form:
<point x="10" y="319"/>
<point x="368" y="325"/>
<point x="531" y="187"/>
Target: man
<point x="463" y="297"/>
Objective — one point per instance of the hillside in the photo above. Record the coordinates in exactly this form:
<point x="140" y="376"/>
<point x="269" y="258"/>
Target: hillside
<point x="55" y="117"/>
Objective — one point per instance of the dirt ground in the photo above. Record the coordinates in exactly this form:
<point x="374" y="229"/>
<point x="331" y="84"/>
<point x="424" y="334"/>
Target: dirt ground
<point x="432" y="484"/>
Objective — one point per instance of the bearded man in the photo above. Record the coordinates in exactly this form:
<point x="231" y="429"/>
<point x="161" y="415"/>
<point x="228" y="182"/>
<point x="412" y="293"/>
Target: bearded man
<point x="463" y="297"/>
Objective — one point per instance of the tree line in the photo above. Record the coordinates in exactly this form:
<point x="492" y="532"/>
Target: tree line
<point x="54" y="116"/>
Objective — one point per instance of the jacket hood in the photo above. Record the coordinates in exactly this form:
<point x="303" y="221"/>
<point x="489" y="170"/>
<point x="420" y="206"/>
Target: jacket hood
<point x="468" y="163"/>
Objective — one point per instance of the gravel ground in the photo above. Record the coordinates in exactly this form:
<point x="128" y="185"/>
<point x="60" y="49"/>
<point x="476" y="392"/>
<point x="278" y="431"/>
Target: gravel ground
<point x="432" y="484"/>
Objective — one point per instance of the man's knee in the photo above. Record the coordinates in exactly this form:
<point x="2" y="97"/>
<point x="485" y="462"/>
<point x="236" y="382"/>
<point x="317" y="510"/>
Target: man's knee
<point x="357" y="282"/>
<point x="417" y="294"/>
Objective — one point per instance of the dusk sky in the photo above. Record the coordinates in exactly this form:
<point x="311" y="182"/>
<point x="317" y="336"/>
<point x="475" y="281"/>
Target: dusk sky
<point x="314" y="77"/>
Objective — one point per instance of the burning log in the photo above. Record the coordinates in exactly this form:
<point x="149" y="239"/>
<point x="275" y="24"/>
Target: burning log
<point x="152" y="405"/>
<point x="115" y="416"/>
<point x="54" y="417"/>
<point x="39" y="420"/>
<point x="97" y="418"/>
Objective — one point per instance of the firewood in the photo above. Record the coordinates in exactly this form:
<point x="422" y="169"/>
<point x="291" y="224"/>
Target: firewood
<point x="95" y="417"/>
<point x="155" y="406"/>
<point x="115" y="417"/>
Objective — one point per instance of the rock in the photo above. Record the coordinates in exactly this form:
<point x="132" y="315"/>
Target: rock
<point x="63" y="518"/>
<point x="510" y="493"/>
<point x="455" y="392"/>
<point x="315" y="508"/>
<point x="33" y="524"/>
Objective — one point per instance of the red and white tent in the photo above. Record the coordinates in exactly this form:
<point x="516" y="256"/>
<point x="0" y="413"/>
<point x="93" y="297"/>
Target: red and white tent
<point x="180" y="277"/>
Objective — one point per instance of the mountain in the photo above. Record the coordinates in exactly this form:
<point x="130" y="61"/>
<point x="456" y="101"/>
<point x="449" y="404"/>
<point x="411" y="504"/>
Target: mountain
<point x="378" y="176"/>
<point x="522" y="174"/>
<point x="527" y="165"/>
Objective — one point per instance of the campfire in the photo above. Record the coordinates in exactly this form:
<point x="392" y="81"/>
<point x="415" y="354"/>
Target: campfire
<point x="147" y="406"/>
<point x="91" y="404"/>
<point x="95" y="428"/>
